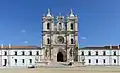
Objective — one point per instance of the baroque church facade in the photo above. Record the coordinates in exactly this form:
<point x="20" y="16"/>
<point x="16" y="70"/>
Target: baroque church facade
<point x="59" y="44"/>
<point x="60" y="37"/>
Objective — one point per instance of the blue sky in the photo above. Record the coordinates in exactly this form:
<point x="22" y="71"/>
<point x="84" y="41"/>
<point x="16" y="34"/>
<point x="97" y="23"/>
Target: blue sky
<point x="99" y="20"/>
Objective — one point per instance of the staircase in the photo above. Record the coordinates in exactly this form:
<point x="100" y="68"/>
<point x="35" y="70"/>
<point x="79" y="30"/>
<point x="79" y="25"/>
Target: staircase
<point x="58" y="64"/>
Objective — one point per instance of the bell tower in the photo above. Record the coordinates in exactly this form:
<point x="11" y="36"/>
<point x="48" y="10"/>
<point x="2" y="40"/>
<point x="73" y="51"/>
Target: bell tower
<point x="72" y="31"/>
<point x="47" y="25"/>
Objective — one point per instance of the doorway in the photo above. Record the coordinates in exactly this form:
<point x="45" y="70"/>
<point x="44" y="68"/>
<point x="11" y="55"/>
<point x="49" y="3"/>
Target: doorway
<point x="59" y="57"/>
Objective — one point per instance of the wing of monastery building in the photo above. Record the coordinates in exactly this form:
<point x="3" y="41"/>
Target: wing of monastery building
<point x="19" y="56"/>
<point x="107" y="55"/>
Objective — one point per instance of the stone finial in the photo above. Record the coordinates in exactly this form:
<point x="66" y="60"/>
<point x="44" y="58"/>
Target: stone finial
<point x="59" y="14"/>
<point x="71" y="13"/>
<point x="48" y="14"/>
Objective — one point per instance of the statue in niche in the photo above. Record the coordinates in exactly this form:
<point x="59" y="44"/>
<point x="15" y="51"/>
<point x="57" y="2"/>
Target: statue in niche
<point x="70" y="52"/>
<point x="60" y="26"/>
<point x="46" y="51"/>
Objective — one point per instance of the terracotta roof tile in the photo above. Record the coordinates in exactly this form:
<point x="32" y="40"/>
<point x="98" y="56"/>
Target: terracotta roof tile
<point x="104" y="47"/>
<point x="20" y="47"/>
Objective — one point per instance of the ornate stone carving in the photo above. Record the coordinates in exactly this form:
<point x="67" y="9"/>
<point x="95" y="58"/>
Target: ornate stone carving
<point x="60" y="39"/>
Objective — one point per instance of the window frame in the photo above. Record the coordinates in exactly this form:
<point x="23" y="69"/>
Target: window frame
<point x="23" y="52"/>
<point x="23" y="60"/>
<point x="96" y="53"/>
<point x="5" y="53"/>
<point x="104" y="53"/>
<point x="96" y="60"/>
<point x="82" y="53"/>
<point x="104" y="61"/>
<point x="37" y="53"/>
<point x="15" y="61"/>
<point x="30" y="61"/>
<point x="30" y="53"/>
<point x="115" y="61"/>
<point x="89" y="53"/>
<point x="89" y="60"/>
<point x="15" y="53"/>
<point x="114" y="53"/>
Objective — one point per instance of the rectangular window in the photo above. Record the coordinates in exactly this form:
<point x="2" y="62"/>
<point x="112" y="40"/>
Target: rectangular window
<point x="96" y="52"/>
<point x="89" y="60"/>
<point x="30" y="52"/>
<point x="103" y="60"/>
<point x="104" y="53"/>
<point x="96" y="60"/>
<point x="114" y="53"/>
<point x="15" y="60"/>
<point x="30" y="60"/>
<point x="37" y="52"/>
<point x="15" y="52"/>
<point x="82" y="53"/>
<point x="23" y="61"/>
<point x="5" y="62"/>
<point x="89" y="53"/>
<point x="23" y="53"/>
<point x="5" y="52"/>
<point x="114" y="60"/>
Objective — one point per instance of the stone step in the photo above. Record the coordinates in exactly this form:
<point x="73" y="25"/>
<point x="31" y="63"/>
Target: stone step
<point x="58" y="64"/>
<point x="78" y="64"/>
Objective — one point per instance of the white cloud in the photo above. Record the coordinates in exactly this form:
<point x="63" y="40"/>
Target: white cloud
<point x="23" y="31"/>
<point x="26" y="42"/>
<point x="83" y="38"/>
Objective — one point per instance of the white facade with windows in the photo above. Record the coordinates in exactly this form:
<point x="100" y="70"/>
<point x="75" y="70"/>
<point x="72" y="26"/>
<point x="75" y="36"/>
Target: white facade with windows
<point x="19" y="55"/>
<point x="99" y="55"/>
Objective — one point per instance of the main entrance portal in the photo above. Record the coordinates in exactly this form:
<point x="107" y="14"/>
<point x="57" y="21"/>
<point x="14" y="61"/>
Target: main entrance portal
<point x="59" y="57"/>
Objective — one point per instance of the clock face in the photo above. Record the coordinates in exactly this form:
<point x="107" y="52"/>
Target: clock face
<point x="60" y="39"/>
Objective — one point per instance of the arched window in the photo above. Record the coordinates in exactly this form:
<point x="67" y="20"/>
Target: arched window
<point x="48" y="25"/>
<point x="71" y="25"/>
<point x="48" y="41"/>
